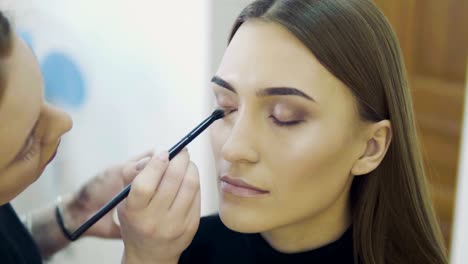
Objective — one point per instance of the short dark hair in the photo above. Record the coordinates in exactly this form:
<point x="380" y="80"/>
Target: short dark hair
<point x="5" y="48"/>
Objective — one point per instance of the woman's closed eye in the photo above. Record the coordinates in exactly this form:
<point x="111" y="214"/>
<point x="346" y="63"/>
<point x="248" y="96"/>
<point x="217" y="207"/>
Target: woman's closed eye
<point x="278" y="121"/>
<point x="284" y="115"/>
<point x="282" y="123"/>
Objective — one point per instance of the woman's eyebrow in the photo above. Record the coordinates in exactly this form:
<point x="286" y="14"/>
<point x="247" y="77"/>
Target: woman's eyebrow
<point x="271" y="91"/>
<point x="217" y="80"/>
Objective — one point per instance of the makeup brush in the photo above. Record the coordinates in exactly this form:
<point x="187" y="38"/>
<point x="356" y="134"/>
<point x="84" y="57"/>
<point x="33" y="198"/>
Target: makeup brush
<point x="217" y="114"/>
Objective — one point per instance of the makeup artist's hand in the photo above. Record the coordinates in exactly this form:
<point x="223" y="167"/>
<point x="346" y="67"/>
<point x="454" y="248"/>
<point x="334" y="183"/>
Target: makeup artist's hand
<point x="78" y="207"/>
<point x="161" y="214"/>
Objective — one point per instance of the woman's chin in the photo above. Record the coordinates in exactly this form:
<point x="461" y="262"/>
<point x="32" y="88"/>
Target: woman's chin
<point x="243" y="222"/>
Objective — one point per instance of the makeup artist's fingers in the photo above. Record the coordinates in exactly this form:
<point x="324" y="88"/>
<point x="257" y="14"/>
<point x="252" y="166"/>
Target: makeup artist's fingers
<point x="187" y="192"/>
<point x="131" y="169"/>
<point x="171" y="181"/>
<point x="129" y="172"/>
<point x="148" y="153"/>
<point x="135" y="165"/>
<point x="195" y="210"/>
<point x="192" y="217"/>
<point x="145" y="184"/>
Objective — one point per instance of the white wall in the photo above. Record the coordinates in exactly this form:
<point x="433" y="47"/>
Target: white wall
<point x="223" y="13"/>
<point x="459" y="254"/>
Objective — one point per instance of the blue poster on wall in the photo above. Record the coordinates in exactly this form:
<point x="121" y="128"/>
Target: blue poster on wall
<point x="63" y="79"/>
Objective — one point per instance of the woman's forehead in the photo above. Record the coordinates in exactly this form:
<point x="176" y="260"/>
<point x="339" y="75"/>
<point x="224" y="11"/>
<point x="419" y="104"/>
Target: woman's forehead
<point x="265" y="54"/>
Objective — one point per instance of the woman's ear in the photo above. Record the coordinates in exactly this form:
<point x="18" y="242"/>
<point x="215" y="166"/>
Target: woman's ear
<point x="378" y="138"/>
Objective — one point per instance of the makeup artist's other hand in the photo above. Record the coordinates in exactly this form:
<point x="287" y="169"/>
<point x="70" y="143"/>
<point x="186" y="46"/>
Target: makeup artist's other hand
<point x="161" y="214"/>
<point x="78" y="207"/>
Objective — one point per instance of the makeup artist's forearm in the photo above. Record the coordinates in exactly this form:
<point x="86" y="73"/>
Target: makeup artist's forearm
<point x="47" y="233"/>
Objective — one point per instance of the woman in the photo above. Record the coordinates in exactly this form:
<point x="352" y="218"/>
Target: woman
<point x="29" y="137"/>
<point x="318" y="160"/>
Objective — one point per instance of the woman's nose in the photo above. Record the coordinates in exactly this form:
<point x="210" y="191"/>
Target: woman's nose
<point x="58" y="122"/>
<point x="240" y="143"/>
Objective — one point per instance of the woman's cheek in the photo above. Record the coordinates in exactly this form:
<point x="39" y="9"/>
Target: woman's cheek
<point x="219" y="134"/>
<point x="215" y="132"/>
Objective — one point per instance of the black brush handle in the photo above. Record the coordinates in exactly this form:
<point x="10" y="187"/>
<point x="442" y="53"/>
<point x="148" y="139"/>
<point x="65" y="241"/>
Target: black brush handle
<point x="217" y="114"/>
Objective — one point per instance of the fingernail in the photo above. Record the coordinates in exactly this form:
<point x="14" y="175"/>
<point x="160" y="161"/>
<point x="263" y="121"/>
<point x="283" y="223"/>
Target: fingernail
<point x="163" y="156"/>
<point x="115" y="218"/>
<point x="142" y="163"/>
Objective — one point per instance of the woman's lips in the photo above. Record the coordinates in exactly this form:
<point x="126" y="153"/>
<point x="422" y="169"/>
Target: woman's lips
<point x="239" y="187"/>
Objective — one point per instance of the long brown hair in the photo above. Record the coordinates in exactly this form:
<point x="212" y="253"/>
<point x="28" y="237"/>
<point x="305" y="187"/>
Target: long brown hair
<point x="393" y="218"/>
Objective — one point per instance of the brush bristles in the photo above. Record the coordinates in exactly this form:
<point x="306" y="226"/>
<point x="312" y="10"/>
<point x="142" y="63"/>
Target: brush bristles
<point x="218" y="113"/>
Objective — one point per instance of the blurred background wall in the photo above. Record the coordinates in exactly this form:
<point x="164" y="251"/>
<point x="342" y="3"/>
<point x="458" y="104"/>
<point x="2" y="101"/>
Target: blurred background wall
<point x="135" y="75"/>
<point x="459" y="252"/>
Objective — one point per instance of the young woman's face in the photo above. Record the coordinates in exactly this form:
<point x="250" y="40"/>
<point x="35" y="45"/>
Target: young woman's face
<point x="293" y="133"/>
<point x="30" y="129"/>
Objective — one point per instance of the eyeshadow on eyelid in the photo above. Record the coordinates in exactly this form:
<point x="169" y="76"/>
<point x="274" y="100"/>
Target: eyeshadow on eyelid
<point x="282" y="107"/>
<point x="223" y="98"/>
<point x="287" y="111"/>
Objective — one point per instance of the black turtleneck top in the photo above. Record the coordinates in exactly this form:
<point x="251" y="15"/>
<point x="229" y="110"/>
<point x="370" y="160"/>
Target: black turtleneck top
<point x="215" y="243"/>
<point x="16" y="244"/>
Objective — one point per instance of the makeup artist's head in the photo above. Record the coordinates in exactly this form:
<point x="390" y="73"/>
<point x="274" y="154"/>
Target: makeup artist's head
<point x="30" y="128"/>
<point x="322" y="125"/>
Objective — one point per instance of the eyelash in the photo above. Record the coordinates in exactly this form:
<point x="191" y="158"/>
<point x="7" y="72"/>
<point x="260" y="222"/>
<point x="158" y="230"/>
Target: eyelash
<point x="285" y="124"/>
<point x="273" y="118"/>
